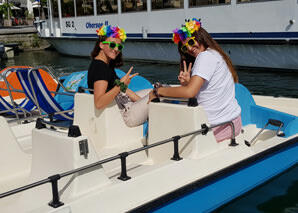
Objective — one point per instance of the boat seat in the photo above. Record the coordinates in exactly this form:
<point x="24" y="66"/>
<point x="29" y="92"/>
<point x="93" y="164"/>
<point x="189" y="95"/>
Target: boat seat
<point x="14" y="162"/>
<point x="260" y="116"/>
<point x="167" y="120"/>
<point x="54" y="153"/>
<point x="107" y="131"/>
<point x="251" y="113"/>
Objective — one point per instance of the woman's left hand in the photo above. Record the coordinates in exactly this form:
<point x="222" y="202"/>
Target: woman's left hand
<point x="126" y="79"/>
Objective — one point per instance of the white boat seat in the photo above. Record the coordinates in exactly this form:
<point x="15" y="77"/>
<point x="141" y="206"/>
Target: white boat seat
<point x="55" y="153"/>
<point x="168" y="120"/>
<point x="107" y="131"/>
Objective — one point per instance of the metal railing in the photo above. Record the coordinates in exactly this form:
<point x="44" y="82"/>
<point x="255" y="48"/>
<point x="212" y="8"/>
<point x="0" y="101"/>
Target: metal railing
<point x="122" y="156"/>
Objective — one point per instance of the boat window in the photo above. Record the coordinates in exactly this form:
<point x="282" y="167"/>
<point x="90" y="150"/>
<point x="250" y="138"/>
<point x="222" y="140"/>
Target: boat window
<point x="85" y="7"/>
<point x="195" y="3"/>
<point x="67" y="8"/>
<point x="163" y="4"/>
<point x="106" y="6"/>
<point x="133" y="5"/>
<point x="55" y="8"/>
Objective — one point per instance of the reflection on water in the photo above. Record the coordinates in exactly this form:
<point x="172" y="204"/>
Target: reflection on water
<point x="281" y="194"/>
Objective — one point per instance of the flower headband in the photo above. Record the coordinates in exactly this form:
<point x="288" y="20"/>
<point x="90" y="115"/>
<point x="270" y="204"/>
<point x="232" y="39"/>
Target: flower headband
<point x="186" y="30"/>
<point x="114" y="32"/>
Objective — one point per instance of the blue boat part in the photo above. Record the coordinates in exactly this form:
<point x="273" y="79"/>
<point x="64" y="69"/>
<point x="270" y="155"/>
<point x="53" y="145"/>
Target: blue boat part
<point x="251" y="113"/>
<point x="71" y="82"/>
<point x="219" y="188"/>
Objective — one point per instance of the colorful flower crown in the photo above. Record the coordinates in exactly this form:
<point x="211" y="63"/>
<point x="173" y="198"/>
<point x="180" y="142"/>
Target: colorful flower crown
<point x="114" y="32"/>
<point x="186" y="30"/>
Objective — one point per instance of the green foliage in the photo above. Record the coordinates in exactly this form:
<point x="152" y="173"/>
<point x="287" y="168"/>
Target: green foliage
<point x="29" y="15"/>
<point x="4" y="8"/>
<point x="43" y="3"/>
<point x="35" y="41"/>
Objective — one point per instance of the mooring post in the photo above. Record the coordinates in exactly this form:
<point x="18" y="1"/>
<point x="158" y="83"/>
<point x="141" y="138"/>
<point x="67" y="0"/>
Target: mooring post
<point x="123" y="175"/>
<point x="176" y="156"/>
<point x="55" y="203"/>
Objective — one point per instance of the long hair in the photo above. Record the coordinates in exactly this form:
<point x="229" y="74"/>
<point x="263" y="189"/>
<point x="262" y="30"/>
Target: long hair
<point x="204" y="38"/>
<point x="117" y="62"/>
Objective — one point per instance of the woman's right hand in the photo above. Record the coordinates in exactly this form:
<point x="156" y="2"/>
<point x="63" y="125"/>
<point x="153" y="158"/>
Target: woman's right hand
<point x="126" y="79"/>
<point x="184" y="75"/>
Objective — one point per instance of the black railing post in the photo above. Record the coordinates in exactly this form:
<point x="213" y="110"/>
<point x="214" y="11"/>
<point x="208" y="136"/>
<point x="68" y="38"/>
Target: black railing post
<point x="55" y="203"/>
<point x="205" y="129"/>
<point x="176" y="156"/>
<point x="123" y="175"/>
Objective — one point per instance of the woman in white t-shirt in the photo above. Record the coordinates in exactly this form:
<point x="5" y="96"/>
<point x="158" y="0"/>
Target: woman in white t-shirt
<point x="211" y="79"/>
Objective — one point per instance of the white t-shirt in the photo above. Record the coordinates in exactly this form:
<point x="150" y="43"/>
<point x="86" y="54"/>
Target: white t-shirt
<point x="217" y="94"/>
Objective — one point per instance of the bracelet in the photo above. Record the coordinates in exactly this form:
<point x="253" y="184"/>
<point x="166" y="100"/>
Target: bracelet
<point x="123" y="86"/>
<point x="155" y="92"/>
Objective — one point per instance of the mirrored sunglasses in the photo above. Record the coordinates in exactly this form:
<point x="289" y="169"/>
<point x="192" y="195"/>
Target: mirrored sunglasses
<point x="113" y="45"/>
<point x="190" y="42"/>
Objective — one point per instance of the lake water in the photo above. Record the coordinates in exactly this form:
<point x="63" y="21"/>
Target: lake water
<point x="279" y="194"/>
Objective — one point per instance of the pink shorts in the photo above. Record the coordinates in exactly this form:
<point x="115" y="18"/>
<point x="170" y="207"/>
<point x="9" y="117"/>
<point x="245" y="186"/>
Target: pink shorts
<point x="225" y="131"/>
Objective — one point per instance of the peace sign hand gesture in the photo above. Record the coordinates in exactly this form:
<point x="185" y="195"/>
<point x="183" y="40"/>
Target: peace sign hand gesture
<point x="126" y="79"/>
<point x="184" y="75"/>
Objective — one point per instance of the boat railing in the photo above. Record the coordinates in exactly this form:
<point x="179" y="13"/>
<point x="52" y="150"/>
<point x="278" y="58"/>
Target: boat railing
<point x="55" y="202"/>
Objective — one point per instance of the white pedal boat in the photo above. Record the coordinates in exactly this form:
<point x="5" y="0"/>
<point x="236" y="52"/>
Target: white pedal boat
<point x="86" y="166"/>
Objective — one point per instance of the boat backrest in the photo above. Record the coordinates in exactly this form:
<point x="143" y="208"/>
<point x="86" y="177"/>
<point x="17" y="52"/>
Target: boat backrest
<point x="107" y="130"/>
<point x="168" y="120"/>
<point x="245" y="100"/>
<point x="55" y="153"/>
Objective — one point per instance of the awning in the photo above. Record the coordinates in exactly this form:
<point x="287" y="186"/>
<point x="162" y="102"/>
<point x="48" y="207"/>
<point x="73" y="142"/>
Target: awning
<point x="15" y="8"/>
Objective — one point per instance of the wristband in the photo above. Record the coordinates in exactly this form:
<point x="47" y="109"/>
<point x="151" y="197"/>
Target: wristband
<point x="123" y="86"/>
<point x="155" y="92"/>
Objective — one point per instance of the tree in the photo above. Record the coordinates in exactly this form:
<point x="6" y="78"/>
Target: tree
<point x="5" y="9"/>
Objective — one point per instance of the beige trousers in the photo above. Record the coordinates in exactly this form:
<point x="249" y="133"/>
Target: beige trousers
<point x="134" y="113"/>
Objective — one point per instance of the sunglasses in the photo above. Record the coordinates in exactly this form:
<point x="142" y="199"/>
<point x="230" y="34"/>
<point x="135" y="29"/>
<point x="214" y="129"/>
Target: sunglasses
<point x="112" y="45"/>
<point x="190" y="42"/>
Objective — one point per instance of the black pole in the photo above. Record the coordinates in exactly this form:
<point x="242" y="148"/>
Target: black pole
<point x="55" y="203"/>
<point x="123" y="175"/>
<point x="176" y="156"/>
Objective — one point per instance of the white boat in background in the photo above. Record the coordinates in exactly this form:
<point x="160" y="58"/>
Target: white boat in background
<point x="253" y="33"/>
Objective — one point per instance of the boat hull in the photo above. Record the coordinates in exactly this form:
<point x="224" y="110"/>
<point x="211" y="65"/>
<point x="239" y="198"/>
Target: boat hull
<point x="218" y="189"/>
<point x="276" y="55"/>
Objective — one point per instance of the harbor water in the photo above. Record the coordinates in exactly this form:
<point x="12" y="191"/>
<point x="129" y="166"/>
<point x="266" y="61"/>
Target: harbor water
<point x="279" y="194"/>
